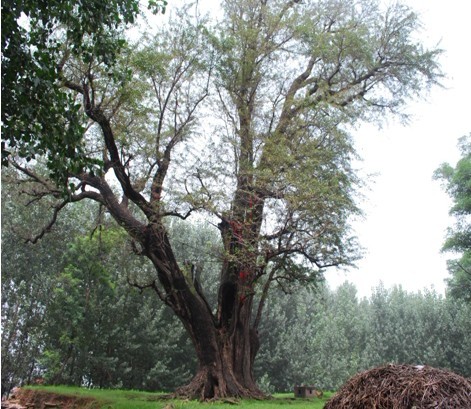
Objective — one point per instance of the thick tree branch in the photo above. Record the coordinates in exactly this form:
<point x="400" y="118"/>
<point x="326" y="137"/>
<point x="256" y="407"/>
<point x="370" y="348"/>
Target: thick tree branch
<point x="119" y="211"/>
<point x="96" y="113"/>
<point x="99" y="117"/>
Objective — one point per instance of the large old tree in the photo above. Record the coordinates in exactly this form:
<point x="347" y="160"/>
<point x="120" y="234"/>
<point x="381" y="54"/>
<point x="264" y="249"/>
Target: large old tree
<point x="246" y="122"/>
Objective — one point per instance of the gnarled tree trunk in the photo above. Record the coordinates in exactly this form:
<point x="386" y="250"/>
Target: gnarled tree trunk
<point x="225" y="356"/>
<point x="226" y="343"/>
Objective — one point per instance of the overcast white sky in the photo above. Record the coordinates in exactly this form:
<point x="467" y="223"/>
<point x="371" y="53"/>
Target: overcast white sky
<point x="406" y="211"/>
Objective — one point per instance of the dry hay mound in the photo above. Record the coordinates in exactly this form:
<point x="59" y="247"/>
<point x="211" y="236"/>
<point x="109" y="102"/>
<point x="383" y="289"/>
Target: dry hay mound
<point x="403" y="387"/>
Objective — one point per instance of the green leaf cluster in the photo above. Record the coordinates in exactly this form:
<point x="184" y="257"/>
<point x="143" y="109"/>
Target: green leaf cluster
<point x="457" y="182"/>
<point x="39" y="118"/>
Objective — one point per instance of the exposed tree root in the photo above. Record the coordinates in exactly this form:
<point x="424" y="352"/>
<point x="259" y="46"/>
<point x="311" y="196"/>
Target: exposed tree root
<point x="216" y="385"/>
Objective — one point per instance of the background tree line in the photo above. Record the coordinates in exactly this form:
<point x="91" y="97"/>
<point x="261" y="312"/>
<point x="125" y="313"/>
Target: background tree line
<point x="69" y="314"/>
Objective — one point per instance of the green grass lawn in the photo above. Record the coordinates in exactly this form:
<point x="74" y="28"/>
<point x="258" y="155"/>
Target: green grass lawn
<point x="119" y="399"/>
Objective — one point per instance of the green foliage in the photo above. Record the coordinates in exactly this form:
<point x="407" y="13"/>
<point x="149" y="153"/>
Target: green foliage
<point x="289" y="123"/>
<point x="457" y="182"/>
<point x="325" y="337"/>
<point x="102" y="332"/>
<point x="39" y="118"/>
<point x="28" y="278"/>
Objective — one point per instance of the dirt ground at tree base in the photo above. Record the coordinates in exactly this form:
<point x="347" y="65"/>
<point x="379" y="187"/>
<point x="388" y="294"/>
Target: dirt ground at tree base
<point x="34" y="399"/>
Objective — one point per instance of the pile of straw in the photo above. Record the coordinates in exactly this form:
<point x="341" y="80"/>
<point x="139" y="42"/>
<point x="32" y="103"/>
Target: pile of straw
<point x="403" y="387"/>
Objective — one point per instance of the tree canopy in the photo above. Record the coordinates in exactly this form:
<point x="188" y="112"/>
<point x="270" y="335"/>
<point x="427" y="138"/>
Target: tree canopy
<point x="38" y="117"/>
<point x="245" y="121"/>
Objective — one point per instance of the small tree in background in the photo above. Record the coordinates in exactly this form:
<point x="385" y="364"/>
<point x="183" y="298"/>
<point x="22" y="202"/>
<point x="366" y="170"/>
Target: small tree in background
<point x="457" y="182"/>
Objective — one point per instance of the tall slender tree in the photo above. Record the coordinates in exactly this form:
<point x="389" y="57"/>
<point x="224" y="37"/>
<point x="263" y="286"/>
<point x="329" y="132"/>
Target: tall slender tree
<point x="278" y="84"/>
<point x="457" y="182"/>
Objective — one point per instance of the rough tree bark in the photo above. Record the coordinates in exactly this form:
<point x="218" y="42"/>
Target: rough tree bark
<point x="226" y="343"/>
